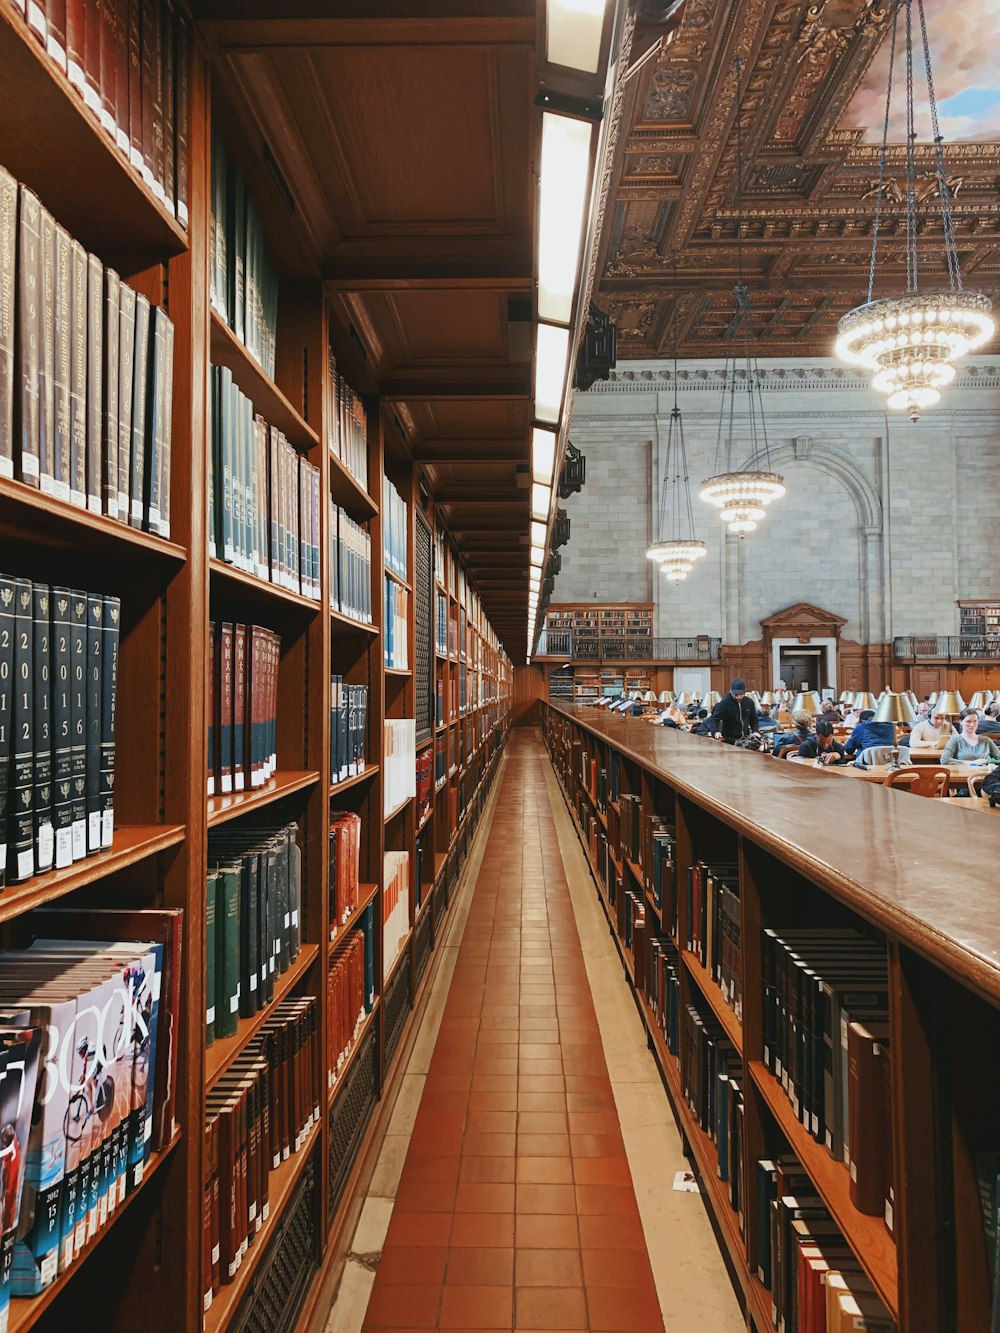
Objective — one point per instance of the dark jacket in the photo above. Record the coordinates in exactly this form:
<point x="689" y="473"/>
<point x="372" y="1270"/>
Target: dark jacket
<point x="809" y="749"/>
<point x="867" y="734"/>
<point x="734" y="717"/>
<point x="988" y="727"/>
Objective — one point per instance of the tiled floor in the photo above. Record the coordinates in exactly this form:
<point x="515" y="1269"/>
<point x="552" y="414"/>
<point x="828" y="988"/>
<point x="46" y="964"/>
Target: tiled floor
<point x="507" y="1187"/>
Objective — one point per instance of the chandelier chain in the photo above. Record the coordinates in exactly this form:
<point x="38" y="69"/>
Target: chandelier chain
<point x="944" y="193"/>
<point x="911" y="160"/>
<point x="883" y="157"/>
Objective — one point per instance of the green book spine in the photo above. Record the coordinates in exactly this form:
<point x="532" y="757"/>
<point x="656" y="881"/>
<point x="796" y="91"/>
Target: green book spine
<point x="210" y="950"/>
<point x="227" y="964"/>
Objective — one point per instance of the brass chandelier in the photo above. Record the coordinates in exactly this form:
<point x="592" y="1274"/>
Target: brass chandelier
<point x="911" y="342"/>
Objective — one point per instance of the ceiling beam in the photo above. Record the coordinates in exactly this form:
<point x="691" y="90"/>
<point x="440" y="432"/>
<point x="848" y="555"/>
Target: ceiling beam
<point x="461" y="496"/>
<point x="262" y="23"/>
<point x="462" y="273"/>
<point x="505" y="383"/>
<point x="483" y="450"/>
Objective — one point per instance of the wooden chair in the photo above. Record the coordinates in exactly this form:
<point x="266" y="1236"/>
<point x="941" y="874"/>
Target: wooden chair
<point x="923" y="781"/>
<point x="785" y="750"/>
<point x="975" y="784"/>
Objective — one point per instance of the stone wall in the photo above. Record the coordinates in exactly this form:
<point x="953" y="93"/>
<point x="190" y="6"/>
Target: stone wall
<point x="885" y="522"/>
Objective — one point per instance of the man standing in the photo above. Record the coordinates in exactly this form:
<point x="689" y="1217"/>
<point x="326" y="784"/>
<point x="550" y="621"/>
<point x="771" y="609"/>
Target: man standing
<point x="735" y="715"/>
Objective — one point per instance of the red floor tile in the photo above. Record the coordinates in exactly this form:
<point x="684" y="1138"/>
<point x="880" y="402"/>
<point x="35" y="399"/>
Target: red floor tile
<point x="472" y="1267"/>
<point x="548" y="1268"/>
<point x="550" y="1308"/>
<point x="476" y="1307"/>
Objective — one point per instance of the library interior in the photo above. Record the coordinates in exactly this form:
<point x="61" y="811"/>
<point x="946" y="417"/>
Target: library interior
<point x="495" y="511"/>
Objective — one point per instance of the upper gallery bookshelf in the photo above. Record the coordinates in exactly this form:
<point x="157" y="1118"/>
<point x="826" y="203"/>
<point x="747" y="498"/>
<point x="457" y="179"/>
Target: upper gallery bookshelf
<point x="730" y="903"/>
<point x="331" y="638"/>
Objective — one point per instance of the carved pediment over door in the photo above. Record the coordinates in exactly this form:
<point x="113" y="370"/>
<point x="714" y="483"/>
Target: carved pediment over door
<point x="802" y="621"/>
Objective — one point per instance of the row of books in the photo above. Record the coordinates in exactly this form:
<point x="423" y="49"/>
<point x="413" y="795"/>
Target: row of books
<point x="348" y="728"/>
<point x="663" y="992"/>
<point x="712" y="1082"/>
<point x="252" y="921"/>
<point x="86" y="373"/>
<point x="347" y="433"/>
<point x="263" y="497"/>
<point x="259" y="1113"/>
<point x="714" y="927"/>
<point x="399" y="747"/>
<point x="441" y="622"/>
<point x="345" y="869"/>
<point x="350" y="992"/>
<point x="661" y="847"/>
<point x="440" y="762"/>
<point x="129" y="63"/>
<point x="394" y="529"/>
<point x="397" y="624"/>
<point x="244" y="281"/>
<point x="817" y="981"/>
<point x="815" y="1280"/>
<point x="350" y="566"/>
<point x="425" y="783"/>
<point x="242" y="706"/>
<point x="395" y="907"/>
<point x="89" y="1016"/>
<point x="58" y="693"/>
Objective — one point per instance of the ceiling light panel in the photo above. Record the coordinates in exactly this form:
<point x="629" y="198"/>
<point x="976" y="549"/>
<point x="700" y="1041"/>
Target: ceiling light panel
<point x="551" y="352"/>
<point x="562" y="209"/>
<point x="573" y="32"/>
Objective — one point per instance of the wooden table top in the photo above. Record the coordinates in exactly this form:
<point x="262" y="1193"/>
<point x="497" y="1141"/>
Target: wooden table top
<point x="960" y="773"/>
<point x="890" y="859"/>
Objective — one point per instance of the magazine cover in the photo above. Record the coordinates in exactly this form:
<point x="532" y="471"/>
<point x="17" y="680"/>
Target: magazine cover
<point x="19" y="1051"/>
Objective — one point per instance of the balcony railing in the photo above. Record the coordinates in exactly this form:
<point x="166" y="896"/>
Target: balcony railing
<point x="579" y="648"/>
<point x="945" y="647"/>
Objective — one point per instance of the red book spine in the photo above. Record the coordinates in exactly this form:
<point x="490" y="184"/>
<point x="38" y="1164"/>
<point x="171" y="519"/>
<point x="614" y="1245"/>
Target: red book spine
<point x="75" y="43"/>
<point x="92" y="56"/>
<point x="134" y="43"/>
<point x="224" y="731"/>
<point x="55" y="32"/>
<point x="206" y="1218"/>
<point x="239" y="707"/>
<point x="118" y="20"/>
<point x="211" y="708"/>
<point x="167" y="30"/>
<point x="149" y="65"/>
<point x="182" y="59"/>
<point x="106" y="63"/>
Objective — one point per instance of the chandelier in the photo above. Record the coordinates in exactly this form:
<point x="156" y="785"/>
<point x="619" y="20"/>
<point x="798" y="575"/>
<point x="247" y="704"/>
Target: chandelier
<point x="676" y="555"/>
<point x="741" y="493"/>
<point x="911" y="342"/>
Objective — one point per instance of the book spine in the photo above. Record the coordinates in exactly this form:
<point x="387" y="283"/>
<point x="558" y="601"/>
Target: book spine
<point x="76" y="478"/>
<point x="155" y="11"/>
<point x="78" y="702"/>
<point x="106" y="64"/>
<point x="227" y="1013"/>
<point x="46" y="351"/>
<point x="62" y="365"/>
<point x="240" y="778"/>
<point x="149" y="62"/>
<point x="210" y="712"/>
<point x="95" y="366"/>
<point x="182" y="62"/>
<point x="109" y="441"/>
<point x="75" y="43"/>
<point x="8" y="593"/>
<point x="212" y="889"/>
<point x="168" y="426"/>
<point x="224" y="768"/>
<point x="42" y="724"/>
<point x="22" y="720"/>
<point x="62" y="725"/>
<point x="111" y="632"/>
<point x="224" y="462"/>
<point x="154" y="423"/>
<point x="8" y="306"/>
<point x="118" y="18"/>
<point x="92" y="57"/>
<point x="95" y="666"/>
<point x="134" y="40"/>
<point x="29" y="333"/>
<point x="140" y="396"/>
<point x="55" y="33"/>
<point x="126" y="349"/>
<point x="167" y="31"/>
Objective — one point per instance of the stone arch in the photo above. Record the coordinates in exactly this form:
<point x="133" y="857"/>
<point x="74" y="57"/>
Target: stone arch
<point x="839" y="464"/>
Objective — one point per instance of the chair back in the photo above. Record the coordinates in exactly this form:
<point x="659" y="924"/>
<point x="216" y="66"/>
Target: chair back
<point x="975" y="784"/>
<point x="923" y="781"/>
<point x="785" y="750"/>
<point x="874" y="754"/>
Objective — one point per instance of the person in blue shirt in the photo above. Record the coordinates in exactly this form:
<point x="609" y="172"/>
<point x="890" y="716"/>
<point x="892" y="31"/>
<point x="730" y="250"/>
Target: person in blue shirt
<point x="868" y="733"/>
<point x="765" y="722"/>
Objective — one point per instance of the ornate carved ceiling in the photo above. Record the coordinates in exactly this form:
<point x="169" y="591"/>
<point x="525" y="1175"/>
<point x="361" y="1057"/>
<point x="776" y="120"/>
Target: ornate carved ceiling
<point x="810" y="183"/>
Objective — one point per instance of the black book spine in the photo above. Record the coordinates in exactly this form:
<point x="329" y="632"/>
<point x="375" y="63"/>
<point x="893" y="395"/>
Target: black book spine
<point x="95" y="366"/>
<point x="8" y="303"/>
<point x="46" y="352"/>
<point x="63" y="364"/>
<point x="154" y="422"/>
<point x="8" y="593"/>
<point x="168" y="423"/>
<point x="95" y="666"/>
<point x="109" y="435"/>
<point x="44" y="842"/>
<point x="78" y="378"/>
<point x="78" y="726"/>
<point x="140" y="369"/>
<point x="28" y="332"/>
<point x="22" y="793"/>
<point x="109" y="702"/>
<point x="62" y="727"/>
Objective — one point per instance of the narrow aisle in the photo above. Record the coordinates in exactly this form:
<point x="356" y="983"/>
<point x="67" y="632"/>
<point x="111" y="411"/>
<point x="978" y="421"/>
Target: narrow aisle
<point x="515" y="1208"/>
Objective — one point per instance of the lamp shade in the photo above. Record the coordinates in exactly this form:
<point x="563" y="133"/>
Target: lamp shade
<point x="806" y="702"/>
<point x="712" y="698"/>
<point x="980" y="699"/>
<point x="846" y="697"/>
<point x="932" y="698"/>
<point x="769" y="697"/>
<point x="894" y="708"/>
<point x="912" y="697"/>
<point x="864" y="699"/>
<point x="648" y="697"/>
<point x="683" y="699"/>
<point x="665" y="697"/>
<point x="949" y="702"/>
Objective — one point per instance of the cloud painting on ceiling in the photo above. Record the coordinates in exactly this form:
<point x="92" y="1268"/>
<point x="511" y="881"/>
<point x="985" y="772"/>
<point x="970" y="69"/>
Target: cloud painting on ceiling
<point x="964" y="40"/>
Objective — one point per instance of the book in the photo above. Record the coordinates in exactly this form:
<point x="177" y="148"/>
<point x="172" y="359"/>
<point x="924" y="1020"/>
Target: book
<point x="244" y="704"/>
<point x="8" y="306"/>
<point x="46" y="352"/>
<point x="28" y="322"/>
<point x="20" y="1046"/>
<point x="870" y="1106"/>
<point x="42" y="728"/>
<point x="345" y="868"/>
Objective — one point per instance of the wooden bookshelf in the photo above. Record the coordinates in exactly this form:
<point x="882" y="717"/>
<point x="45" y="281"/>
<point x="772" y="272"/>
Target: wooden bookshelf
<point x="741" y="808"/>
<point x="170" y="589"/>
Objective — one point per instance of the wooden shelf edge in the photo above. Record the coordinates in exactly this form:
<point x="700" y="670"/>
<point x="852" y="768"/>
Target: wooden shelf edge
<point x="398" y="809"/>
<point x="357" y="1043"/>
<point x="347" y="490"/>
<point x="713" y="994"/>
<point x="402" y="956"/>
<point x="132" y="843"/>
<point x="345" y="931"/>
<point x="396" y="578"/>
<point x="224" y="1050"/>
<point x="109" y="530"/>
<point x="367" y="772"/>
<point x="281" y="1186"/>
<point x="397" y="671"/>
<point x="261" y="587"/>
<point x="227" y="350"/>
<point x="25" y="1312"/>
<point x="284" y="783"/>
<point x="349" y="624"/>
<point x="426" y="819"/>
<point x="866" y="1235"/>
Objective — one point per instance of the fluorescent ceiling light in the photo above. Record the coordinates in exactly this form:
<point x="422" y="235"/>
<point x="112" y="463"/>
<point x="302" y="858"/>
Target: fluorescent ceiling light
<point x="573" y="32"/>
<point x="538" y="534"/>
<point x="551" y="351"/>
<point x="561" y="212"/>
<point x="535" y="581"/>
<point x="543" y="455"/>
<point x="537" y="556"/>
<point x="540" y="498"/>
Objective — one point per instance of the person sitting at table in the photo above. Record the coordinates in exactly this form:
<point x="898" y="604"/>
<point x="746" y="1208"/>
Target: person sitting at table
<point x="802" y="722"/>
<point x="989" y="724"/>
<point x="765" y="722"/>
<point x="822" y="746"/>
<point x="923" y="711"/>
<point x="831" y="712"/>
<point x="703" y="724"/>
<point x="931" y="734"/>
<point x="868" y="733"/>
<point x="967" y="745"/>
